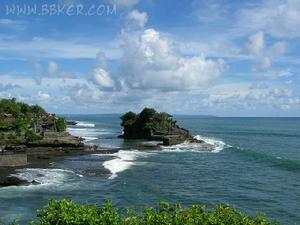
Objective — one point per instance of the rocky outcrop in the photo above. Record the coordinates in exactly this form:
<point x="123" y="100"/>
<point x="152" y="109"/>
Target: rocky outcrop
<point x="174" y="139"/>
<point x="56" y="139"/>
<point x="152" y="125"/>
<point x="72" y="122"/>
<point x="15" y="181"/>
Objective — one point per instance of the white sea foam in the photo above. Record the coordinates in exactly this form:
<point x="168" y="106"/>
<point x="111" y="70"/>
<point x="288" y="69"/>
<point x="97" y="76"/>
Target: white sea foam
<point x="219" y="145"/>
<point x="84" y="124"/>
<point x="89" y="134"/>
<point x="151" y="143"/>
<point x="123" y="161"/>
<point x="45" y="176"/>
<point x="211" y="145"/>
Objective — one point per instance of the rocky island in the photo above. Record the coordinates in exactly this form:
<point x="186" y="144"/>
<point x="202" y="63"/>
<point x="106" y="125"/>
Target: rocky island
<point x="155" y="126"/>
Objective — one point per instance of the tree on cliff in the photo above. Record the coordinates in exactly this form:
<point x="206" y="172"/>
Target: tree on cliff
<point x="19" y="117"/>
<point x="128" y="119"/>
<point x="142" y="125"/>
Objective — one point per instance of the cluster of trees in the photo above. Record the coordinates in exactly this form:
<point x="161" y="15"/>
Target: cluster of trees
<point x="23" y="115"/>
<point x="67" y="212"/>
<point x="141" y="125"/>
<point x="18" y="119"/>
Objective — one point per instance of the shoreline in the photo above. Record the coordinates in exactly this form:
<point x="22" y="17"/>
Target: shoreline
<point x="42" y="157"/>
<point x="38" y="157"/>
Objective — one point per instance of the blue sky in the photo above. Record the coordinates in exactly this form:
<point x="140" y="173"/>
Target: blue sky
<point x="212" y="57"/>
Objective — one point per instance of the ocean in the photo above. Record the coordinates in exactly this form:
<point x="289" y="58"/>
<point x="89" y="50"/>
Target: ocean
<point x="255" y="167"/>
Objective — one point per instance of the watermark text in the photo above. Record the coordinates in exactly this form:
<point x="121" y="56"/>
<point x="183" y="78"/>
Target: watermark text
<point x="60" y="10"/>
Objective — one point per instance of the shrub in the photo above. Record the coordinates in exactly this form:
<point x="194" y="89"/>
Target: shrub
<point x="66" y="212"/>
<point x="61" y="124"/>
<point x="128" y="119"/>
<point x="31" y="136"/>
<point x="11" y="136"/>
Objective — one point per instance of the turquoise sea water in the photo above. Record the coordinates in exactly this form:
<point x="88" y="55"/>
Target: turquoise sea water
<point x="255" y="167"/>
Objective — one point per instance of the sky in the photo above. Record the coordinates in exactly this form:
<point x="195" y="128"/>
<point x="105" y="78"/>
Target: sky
<point x="200" y="57"/>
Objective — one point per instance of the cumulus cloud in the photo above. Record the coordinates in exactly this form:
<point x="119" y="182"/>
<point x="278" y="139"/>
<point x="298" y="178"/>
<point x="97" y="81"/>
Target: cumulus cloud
<point x="264" y="55"/>
<point x="137" y="19"/>
<point x="102" y="78"/>
<point x="151" y="62"/>
<point x="52" y="71"/>
<point x="100" y="75"/>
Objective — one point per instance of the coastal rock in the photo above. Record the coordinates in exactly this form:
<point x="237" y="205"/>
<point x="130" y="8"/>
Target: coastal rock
<point x="72" y="122"/>
<point x="13" y="181"/>
<point x="55" y="139"/>
<point x="154" y="126"/>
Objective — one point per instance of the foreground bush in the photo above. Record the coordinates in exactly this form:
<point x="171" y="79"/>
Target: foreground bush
<point x="65" y="212"/>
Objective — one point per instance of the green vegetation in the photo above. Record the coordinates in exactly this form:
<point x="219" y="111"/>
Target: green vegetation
<point x="31" y="136"/>
<point x="66" y="212"/>
<point x="20" y="122"/>
<point x="143" y="124"/>
<point x="61" y="124"/>
<point x="18" y="116"/>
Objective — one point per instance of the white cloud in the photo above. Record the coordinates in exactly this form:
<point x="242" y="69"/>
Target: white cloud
<point x="277" y="74"/>
<point x="252" y="97"/>
<point x="52" y="69"/>
<point x="42" y="48"/>
<point x="265" y="63"/>
<point x="8" y="87"/>
<point x="255" y="44"/>
<point x="278" y="49"/>
<point x="264" y="55"/>
<point x="137" y="19"/>
<point x="43" y="96"/>
<point x="102" y="78"/>
<point x="13" y="24"/>
<point x="151" y="62"/>
<point x="279" y="18"/>
<point x="101" y="59"/>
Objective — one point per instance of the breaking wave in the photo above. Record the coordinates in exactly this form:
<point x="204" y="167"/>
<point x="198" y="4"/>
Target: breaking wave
<point x="45" y="176"/>
<point x="89" y="134"/>
<point x="219" y="145"/>
<point x="210" y="144"/>
<point x="123" y="160"/>
<point x="84" y="124"/>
